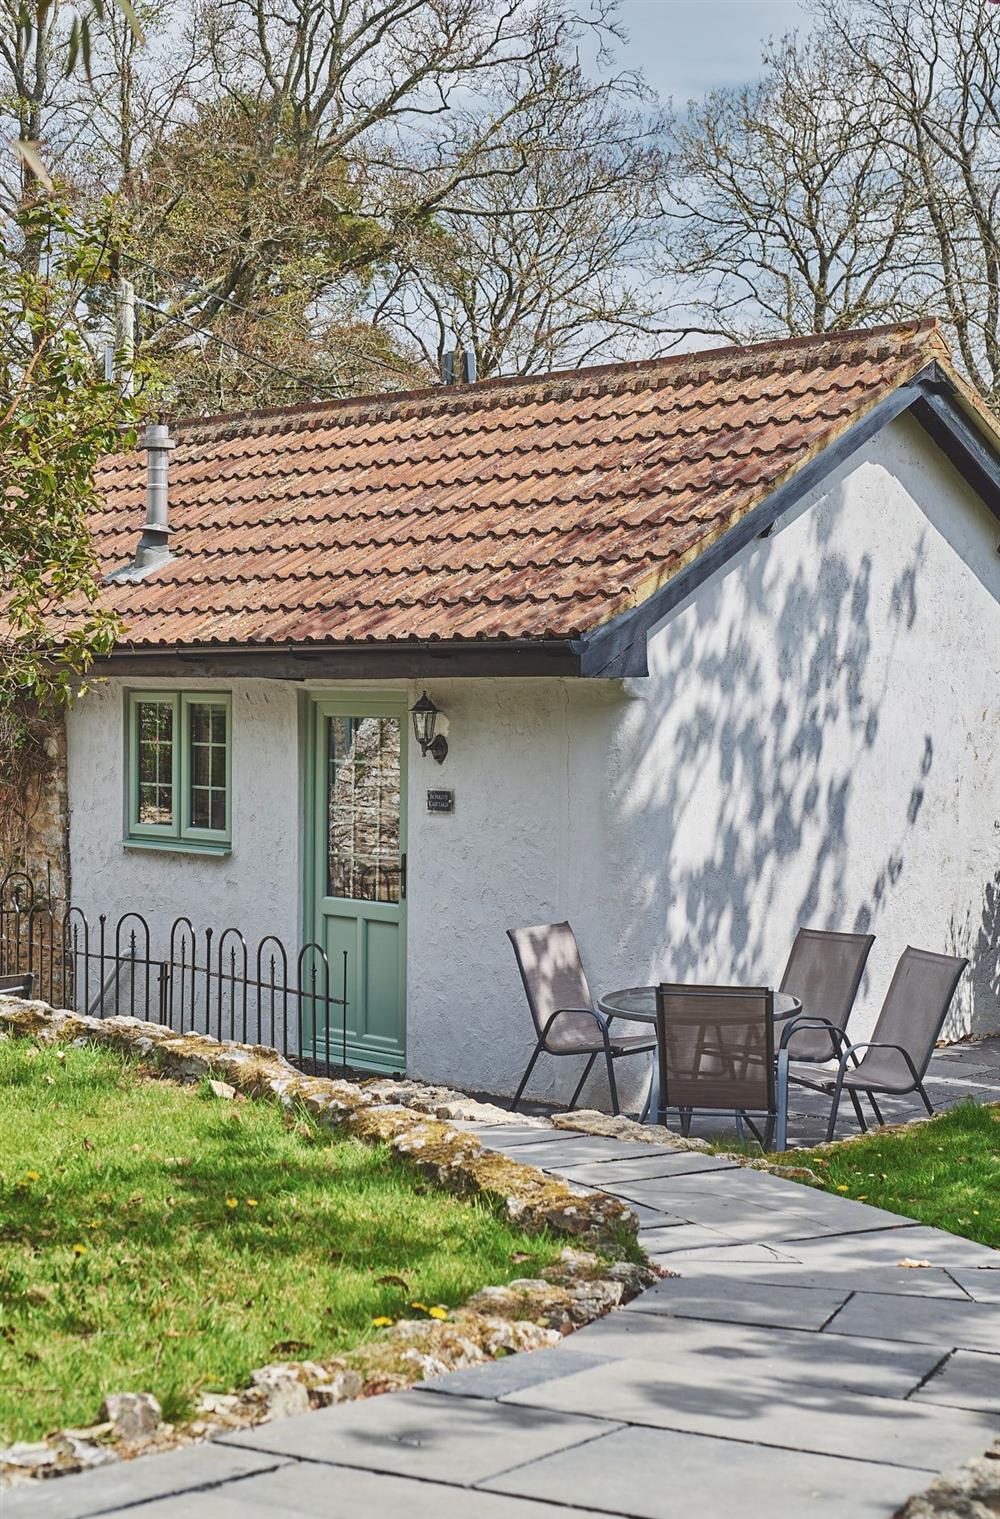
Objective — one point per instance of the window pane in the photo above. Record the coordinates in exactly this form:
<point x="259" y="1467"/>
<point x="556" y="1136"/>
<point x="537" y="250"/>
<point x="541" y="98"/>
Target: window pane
<point x="155" y="728"/>
<point x="363" y="858"/>
<point x="207" y="745"/>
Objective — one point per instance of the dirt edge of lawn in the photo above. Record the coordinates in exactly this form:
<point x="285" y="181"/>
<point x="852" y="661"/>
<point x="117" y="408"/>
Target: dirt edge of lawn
<point x="496" y="1320"/>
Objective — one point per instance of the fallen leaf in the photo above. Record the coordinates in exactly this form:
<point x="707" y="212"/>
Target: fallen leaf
<point x="88" y="1144"/>
<point x="391" y="1280"/>
<point x="519" y="1256"/>
<point x="915" y="1265"/>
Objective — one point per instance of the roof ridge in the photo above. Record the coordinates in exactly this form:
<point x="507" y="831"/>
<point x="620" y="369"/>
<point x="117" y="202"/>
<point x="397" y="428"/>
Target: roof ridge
<point x="738" y="356"/>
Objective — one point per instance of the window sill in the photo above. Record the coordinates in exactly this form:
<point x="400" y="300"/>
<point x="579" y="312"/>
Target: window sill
<point x="179" y="846"/>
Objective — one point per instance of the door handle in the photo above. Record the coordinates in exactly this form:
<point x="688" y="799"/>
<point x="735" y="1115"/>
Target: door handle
<point x="402" y="877"/>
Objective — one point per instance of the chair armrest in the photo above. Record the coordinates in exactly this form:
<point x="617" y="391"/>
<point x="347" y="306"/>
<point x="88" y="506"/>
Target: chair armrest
<point x="590" y="1011"/>
<point x="880" y="1044"/>
<point x="837" y="1036"/>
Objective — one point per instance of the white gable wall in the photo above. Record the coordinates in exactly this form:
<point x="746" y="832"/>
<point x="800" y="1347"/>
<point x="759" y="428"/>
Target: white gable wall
<point x="816" y="743"/>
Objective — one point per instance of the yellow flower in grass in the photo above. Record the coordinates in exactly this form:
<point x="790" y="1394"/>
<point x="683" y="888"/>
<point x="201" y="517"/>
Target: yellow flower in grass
<point x="438" y="1312"/>
<point x="843" y="1187"/>
<point x="251" y="1202"/>
<point x="32" y="1176"/>
<point x="421" y="1307"/>
<point x="232" y="1202"/>
<point x="381" y="1321"/>
<point x="79" y="1249"/>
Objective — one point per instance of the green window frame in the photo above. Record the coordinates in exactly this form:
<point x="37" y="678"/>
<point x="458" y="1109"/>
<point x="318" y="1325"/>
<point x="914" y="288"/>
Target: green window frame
<point x="179" y="770"/>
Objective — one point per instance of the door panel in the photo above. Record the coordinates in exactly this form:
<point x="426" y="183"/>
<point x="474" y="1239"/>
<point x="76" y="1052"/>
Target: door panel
<point x="359" y="816"/>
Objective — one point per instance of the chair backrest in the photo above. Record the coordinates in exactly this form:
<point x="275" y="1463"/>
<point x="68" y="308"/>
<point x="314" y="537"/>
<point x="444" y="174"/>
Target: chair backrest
<point x="917" y="1003"/>
<point x="824" y="971"/>
<point x="718" y="1044"/>
<point x="548" y="958"/>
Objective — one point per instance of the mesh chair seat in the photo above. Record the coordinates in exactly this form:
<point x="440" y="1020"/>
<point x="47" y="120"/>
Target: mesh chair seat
<point x="884" y="1070"/>
<point x="577" y="1033"/>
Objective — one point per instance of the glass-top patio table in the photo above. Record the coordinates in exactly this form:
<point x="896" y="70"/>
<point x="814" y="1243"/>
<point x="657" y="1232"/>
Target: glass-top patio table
<point x="638" y="1003"/>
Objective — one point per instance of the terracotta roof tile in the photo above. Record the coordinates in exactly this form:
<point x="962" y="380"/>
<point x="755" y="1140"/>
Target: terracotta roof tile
<point x="509" y="509"/>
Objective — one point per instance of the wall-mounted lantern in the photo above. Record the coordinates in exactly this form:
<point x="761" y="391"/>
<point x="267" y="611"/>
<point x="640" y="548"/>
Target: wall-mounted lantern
<point x="425" y="715"/>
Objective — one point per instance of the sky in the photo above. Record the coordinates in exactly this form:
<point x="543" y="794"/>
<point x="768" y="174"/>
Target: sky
<point x="685" y="47"/>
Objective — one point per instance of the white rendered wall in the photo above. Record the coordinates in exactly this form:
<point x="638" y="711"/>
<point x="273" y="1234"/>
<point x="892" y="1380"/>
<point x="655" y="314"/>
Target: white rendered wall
<point x="817" y="744"/>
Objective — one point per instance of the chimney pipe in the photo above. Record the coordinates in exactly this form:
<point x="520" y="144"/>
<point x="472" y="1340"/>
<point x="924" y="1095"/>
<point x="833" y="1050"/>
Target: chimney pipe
<point x="455" y="360"/>
<point x="153" y="549"/>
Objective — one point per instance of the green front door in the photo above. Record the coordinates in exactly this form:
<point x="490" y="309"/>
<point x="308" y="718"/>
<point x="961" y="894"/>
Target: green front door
<point x="358" y="865"/>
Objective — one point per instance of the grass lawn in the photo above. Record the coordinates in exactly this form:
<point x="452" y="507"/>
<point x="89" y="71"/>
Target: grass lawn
<point x="156" y="1238"/>
<point x="945" y="1173"/>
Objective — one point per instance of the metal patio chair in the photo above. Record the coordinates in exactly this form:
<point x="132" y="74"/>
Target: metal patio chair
<point x="17" y="986"/>
<point x="824" y="972"/>
<point x="716" y="1054"/>
<point x="562" y="1007"/>
<point x="894" y="1061"/>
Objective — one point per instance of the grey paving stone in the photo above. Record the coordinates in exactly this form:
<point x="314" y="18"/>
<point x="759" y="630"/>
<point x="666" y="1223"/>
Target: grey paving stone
<point x="888" y="1246"/>
<point x="510" y="1133"/>
<point x="656" y="1474"/>
<point x="710" y="1354"/>
<point x="791" y="1274"/>
<point x="611" y="1174"/>
<point x="712" y="1297"/>
<point x="110" y="1488"/>
<point x="982" y="1285"/>
<point x="510" y="1373"/>
<point x="967" y="1379"/>
<point x="725" y="1252"/>
<point x="650" y="1217"/>
<point x="804" y="1417"/>
<point x="925" y="1321"/>
<point x="458" y="1440"/>
<point x="578" y="1150"/>
<point x="305" y="1491"/>
<point x="682" y="1236"/>
<point x="753" y="1207"/>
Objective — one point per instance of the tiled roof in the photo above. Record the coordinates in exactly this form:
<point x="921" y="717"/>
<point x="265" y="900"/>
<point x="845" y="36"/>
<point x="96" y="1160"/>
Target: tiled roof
<point x="533" y="509"/>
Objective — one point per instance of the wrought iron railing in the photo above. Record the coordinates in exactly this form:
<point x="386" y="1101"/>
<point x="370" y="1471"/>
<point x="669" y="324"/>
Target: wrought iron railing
<point x="192" y="980"/>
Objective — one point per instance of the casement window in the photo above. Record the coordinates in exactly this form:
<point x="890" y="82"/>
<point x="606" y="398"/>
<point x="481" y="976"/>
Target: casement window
<point x="179" y="747"/>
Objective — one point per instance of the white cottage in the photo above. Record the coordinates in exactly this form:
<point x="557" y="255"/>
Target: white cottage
<point x="715" y="641"/>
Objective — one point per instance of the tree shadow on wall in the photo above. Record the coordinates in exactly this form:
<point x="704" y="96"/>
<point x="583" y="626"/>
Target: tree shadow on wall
<point x="753" y="793"/>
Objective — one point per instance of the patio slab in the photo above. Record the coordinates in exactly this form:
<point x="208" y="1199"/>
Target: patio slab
<point x="708" y="1297"/>
<point x="319" y="1493"/>
<point x="924" y="1321"/>
<point x="826" y="1420"/>
<point x="700" y="1352"/>
<point x="967" y="1379"/>
<point x="454" y="1440"/>
<point x="646" y="1167"/>
<point x="125" y="1483"/>
<point x="659" y="1474"/>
